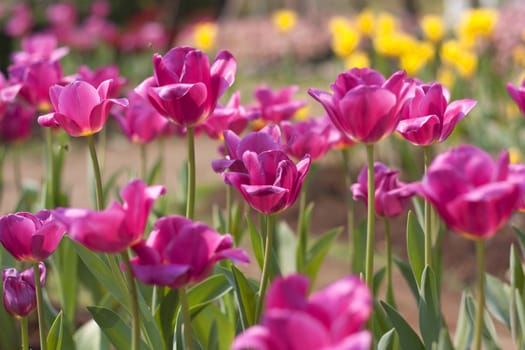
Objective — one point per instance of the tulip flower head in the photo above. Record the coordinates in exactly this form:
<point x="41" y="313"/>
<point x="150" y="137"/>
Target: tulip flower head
<point x="518" y="95"/>
<point x="473" y="194"/>
<point x="279" y="105"/>
<point x="117" y="227"/>
<point x="101" y="74"/>
<point x="29" y="237"/>
<point x="184" y="88"/>
<point x="17" y="123"/>
<point x="332" y="318"/>
<point x="427" y="117"/>
<point x="80" y="108"/>
<point x="364" y="105"/>
<point x="39" y="47"/>
<point x="391" y="195"/>
<point x="313" y="136"/>
<point x="180" y="251"/>
<point x="19" y="292"/>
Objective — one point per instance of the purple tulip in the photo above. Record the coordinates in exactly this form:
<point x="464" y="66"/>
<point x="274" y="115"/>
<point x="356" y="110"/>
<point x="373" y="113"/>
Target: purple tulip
<point x="20" y="20"/>
<point x="391" y="195"/>
<point x="184" y="87"/>
<point x="8" y="93"/>
<point x="19" y="291"/>
<point x="80" y="108"/>
<point x="179" y="252"/>
<point x="101" y="74"/>
<point x="272" y="181"/>
<point x="39" y="47"/>
<point x="518" y="95"/>
<point x="140" y="122"/>
<point x="473" y="194"/>
<point x="313" y="136"/>
<point x="427" y="117"/>
<point x="17" y="123"/>
<point x="364" y="105"/>
<point x="332" y="318"/>
<point x="277" y="106"/>
<point x="117" y="227"/>
<point x="30" y="237"/>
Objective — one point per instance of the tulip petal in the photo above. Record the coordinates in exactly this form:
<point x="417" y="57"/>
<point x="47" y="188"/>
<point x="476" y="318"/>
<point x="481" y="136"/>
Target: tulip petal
<point x="222" y="73"/>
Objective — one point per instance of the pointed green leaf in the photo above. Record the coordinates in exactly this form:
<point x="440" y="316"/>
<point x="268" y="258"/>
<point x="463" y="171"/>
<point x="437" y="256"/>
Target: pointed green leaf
<point x="387" y="340"/>
<point x="54" y="336"/>
<point x="497" y="296"/>
<point x="359" y="249"/>
<point x="166" y="315"/>
<point x="378" y="279"/>
<point x="445" y="343"/>
<point x="302" y="233"/>
<point x="429" y="309"/>
<point x="408" y="275"/>
<point x="90" y="336"/>
<point x="464" y="326"/>
<point x="287" y="251"/>
<point x="415" y="246"/>
<point x="318" y="251"/>
<point x="257" y="242"/>
<point x="517" y="276"/>
<point x="408" y="338"/>
<point x="154" y="172"/>
<point x="521" y="239"/>
<point x="208" y="291"/>
<point x="213" y="329"/>
<point x="246" y="295"/>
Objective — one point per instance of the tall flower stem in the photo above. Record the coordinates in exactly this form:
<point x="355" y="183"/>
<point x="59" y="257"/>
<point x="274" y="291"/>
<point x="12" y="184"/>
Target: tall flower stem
<point x="370" y="227"/>
<point x="24" y="333"/>
<point x="143" y="162"/>
<point x="51" y="190"/>
<point x="135" y="315"/>
<point x="428" y="215"/>
<point x="17" y="170"/>
<point x="265" y="275"/>
<point x="351" y="232"/>
<point x="480" y="260"/>
<point x="186" y="316"/>
<point x="302" y="238"/>
<point x="96" y="172"/>
<point x="390" y="299"/>
<point x="40" y="307"/>
<point x="190" y="199"/>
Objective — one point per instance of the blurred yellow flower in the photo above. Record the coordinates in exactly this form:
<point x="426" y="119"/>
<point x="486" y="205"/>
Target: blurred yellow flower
<point x="302" y="114"/>
<point x="467" y="65"/>
<point x="476" y="24"/>
<point x="385" y="24"/>
<point x="344" y="37"/>
<point x="450" y="51"/>
<point x="204" y="35"/>
<point x="518" y="55"/>
<point x="416" y="58"/>
<point x="365" y="22"/>
<point x="455" y="54"/>
<point x="514" y="155"/>
<point x="433" y="27"/>
<point x="284" y="20"/>
<point x="357" y="59"/>
<point x="446" y="77"/>
<point x="393" y="44"/>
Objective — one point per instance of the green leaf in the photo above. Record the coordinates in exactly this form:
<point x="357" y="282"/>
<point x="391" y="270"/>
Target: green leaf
<point x="517" y="276"/>
<point x="359" y="249"/>
<point x="444" y="342"/>
<point x="90" y="336"/>
<point x="54" y="336"/>
<point x="65" y="262"/>
<point x="464" y="326"/>
<point x="317" y="253"/>
<point x="408" y="338"/>
<point x="166" y="315"/>
<point x="497" y="296"/>
<point x="286" y="252"/>
<point x="521" y="239"/>
<point x="408" y="275"/>
<point x="302" y="233"/>
<point x="208" y="290"/>
<point x="415" y="246"/>
<point x="219" y="223"/>
<point x="490" y="338"/>
<point x="387" y="340"/>
<point x="429" y="309"/>
<point x="246" y="295"/>
<point x="213" y="329"/>
<point x="378" y="279"/>
<point x="154" y="172"/>
<point x="520" y="311"/>
<point x="112" y="325"/>
<point x="257" y="243"/>
<point x="149" y="326"/>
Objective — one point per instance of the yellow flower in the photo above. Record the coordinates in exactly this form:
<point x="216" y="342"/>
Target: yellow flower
<point x="393" y="44"/>
<point x="284" y="20"/>
<point x="467" y="64"/>
<point x="514" y="155"/>
<point x="477" y="24"/>
<point x="385" y="23"/>
<point x="413" y="60"/>
<point x="433" y="27"/>
<point x="518" y="55"/>
<point x="365" y="22"/>
<point x="204" y="35"/>
<point x="344" y="37"/>
<point x="357" y="59"/>
<point x="447" y="77"/>
<point x="302" y="113"/>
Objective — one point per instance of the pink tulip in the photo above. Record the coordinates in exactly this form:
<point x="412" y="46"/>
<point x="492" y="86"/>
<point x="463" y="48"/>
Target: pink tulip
<point x="8" y="93"/>
<point x="332" y="318"/>
<point x="29" y="237"/>
<point x="179" y="252"/>
<point x="518" y="95"/>
<point x="17" y="123"/>
<point x="277" y="106"/>
<point x="62" y="16"/>
<point x="20" y="20"/>
<point x="99" y="75"/>
<point x="19" y="291"/>
<point x="427" y="117"/>
<point x="313" y="136"/>
<point x="364" y="105"/>
<point x="117" y="227"/>
<point x="472" y="193"/>
<point x="39" y="47"/>
<point x="79" y="108"/>
<point x="184" y="87"/>
<point x="391" y="195"/>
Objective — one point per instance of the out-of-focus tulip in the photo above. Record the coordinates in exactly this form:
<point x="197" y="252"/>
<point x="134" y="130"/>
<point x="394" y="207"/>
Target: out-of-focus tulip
<point x="8" y="93"/>
<point x="433" y="27"/>
<point x="180" y="251"/>
<point x="184" y="88"/>
<point x="19" y="292"/>
<point x="518" y="95"/>
<point x="99" y="75"/>
<point x="427" y="118"/>
<point x="472" y="193"/>
<point x="332" y="318"/>
<point x="391" y="195"/>
<point x="38" y="47"/>
<point x="284" y="20"/>
<point x="20" y="20"/>
<point x="364" y="105"/>
<point x="313" y="136"/>
<point x="279" y="105"/>
<point x="29" y="237"/>
<point x="17" y="123"/>
<point x="80" y="108"/>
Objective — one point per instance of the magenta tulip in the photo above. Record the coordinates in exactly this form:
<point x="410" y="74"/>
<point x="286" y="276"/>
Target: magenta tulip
<point x="518" y="95"/>
<point x="332" y="318"/>
<point x="179" y="252"/>
<point x="101" y="74"/>
<point x="277" y="106"/>
<point x="313" y="136"/>
<point x="20" y="20"/>
<point x="472" y="193"/>
<point x="79" y="108"/>
<point x="8" y="93"/>
<point x="17" y="123"/>
<point x="29" y="237"/>
<point x="391" y="195"/>
<point x="364" y="105"/>
<point x="184" y="88"/>
<point x="19" y="292"/>
<point x="117" y="227"/>
<point x="427" y="117"/>
<point x="39" y="47"/>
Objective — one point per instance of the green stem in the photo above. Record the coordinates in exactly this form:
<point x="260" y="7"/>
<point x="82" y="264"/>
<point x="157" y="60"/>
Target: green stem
<point x="480" y="259"/>
<point x="143" y="162"/>
<point x="229" y="214"/>
<point x="370" y="227"/>
<point x="390" y="299"/>
<point x="17" y="171"/>
<point x="135" y="315"/>
<point x="186" y="316"/>
<point x="40" y="307"/>
<point x="96" y="172"/>
<point x="24" y="333"/>
<point x="302" y="238"/>
<point x="190" y="203"/>
<point x="350" y="231"/>
<point x="265" y="275"/>
<point x="428" y="215"/>
<point x="51" y="195"/>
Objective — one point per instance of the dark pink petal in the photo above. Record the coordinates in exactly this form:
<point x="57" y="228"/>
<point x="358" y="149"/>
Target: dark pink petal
<point x="256" y="338"/>
<point x="196" y="68"/>
<point x="166" y="229"/>
<point x="46" y="240"/>
<point x="454" y="113"/>
<point x="15" y="235"/>
<point x="356" y="341"/>
<point x="76" y="101"/>
<point x="423" y="130"/>
<point x="265" y="198"/>
<point x="222" y="73"/>
<point x="161" y="275"/>
<point x="288" y="293"/>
